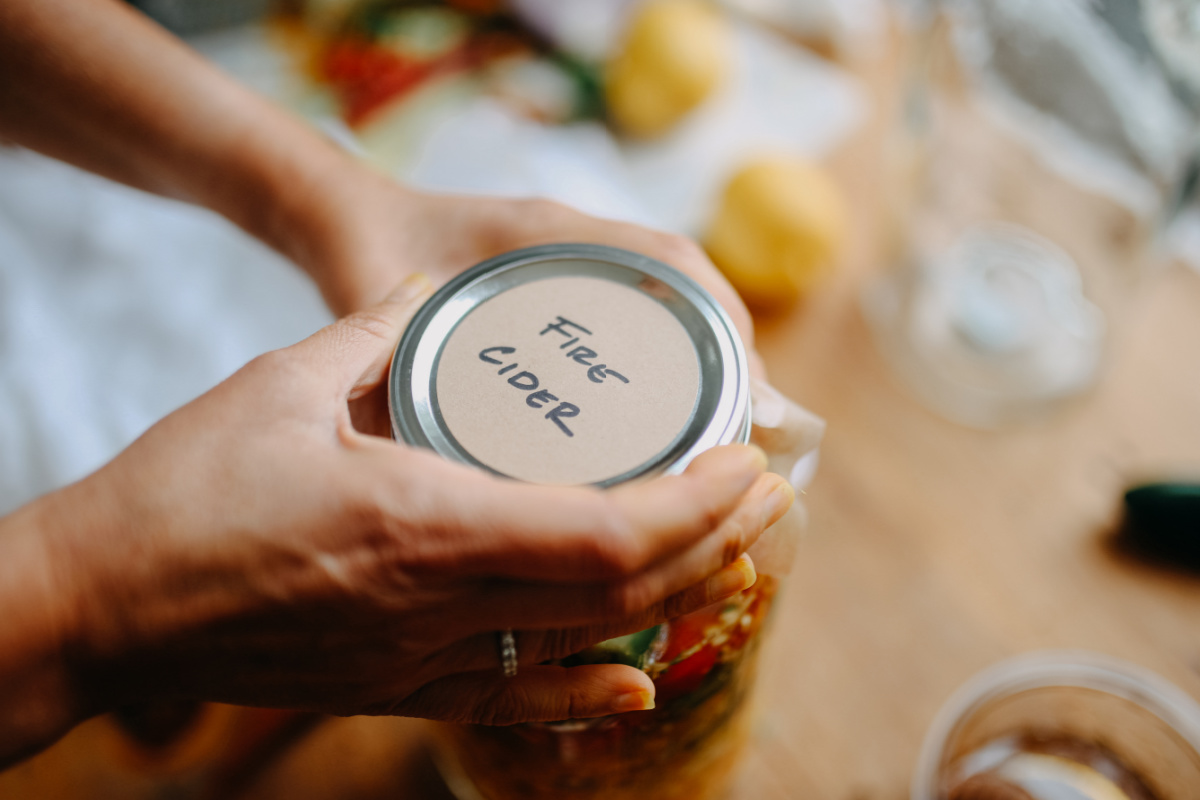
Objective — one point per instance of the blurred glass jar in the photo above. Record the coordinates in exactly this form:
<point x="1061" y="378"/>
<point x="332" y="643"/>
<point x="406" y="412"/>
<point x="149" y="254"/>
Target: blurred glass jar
<point x="1063" y="724"/>
<point x="1043" y="147"/>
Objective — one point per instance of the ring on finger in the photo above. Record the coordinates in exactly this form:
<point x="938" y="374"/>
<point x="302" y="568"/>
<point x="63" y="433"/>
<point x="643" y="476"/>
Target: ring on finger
<point x="508" y="651"/>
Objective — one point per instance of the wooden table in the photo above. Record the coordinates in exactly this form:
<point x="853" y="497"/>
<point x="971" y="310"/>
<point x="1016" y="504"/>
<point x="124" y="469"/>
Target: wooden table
<point x="936" y="550"/>
<point x="933" y="551"/>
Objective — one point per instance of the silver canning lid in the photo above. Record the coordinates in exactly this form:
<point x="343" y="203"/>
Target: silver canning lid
<point x="571" y="364"/>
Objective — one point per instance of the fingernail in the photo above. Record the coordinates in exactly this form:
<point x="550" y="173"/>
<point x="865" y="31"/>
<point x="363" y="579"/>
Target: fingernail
<point x="409" y="288"/>
<point x="777" y="503"/>
<point x="634" y="701"/>
<point x="760" y="457"/>
<point x="737" y="577"/>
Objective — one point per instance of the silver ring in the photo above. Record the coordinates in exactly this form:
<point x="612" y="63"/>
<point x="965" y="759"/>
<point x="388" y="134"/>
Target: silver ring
<point x="508" y="652"/>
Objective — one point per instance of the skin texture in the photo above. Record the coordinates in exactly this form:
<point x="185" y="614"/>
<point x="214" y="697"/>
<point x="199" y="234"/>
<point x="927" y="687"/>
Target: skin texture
<point x="267" y="544"/>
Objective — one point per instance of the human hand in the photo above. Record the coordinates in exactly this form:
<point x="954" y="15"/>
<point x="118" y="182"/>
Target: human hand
<point x="256" y="547"/>
<point x="361" y="232"/>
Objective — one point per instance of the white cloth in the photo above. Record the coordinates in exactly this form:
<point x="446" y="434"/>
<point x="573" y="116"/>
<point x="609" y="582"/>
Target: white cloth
<point x="117" y="307"/>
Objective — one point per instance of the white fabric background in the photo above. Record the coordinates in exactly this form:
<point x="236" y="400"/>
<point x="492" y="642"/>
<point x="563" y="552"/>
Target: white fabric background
<point x="117" y="307"/>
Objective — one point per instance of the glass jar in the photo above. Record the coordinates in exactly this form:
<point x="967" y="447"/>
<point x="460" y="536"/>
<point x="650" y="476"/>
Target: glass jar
<point x="1058" y="724"/>
<point x="1041" y="148"/>
<point x="661" y="376"/>
<point x="685" y="748"/>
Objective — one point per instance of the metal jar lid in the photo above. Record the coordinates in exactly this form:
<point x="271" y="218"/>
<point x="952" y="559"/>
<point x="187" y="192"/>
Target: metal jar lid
<point x="571" y="364"/>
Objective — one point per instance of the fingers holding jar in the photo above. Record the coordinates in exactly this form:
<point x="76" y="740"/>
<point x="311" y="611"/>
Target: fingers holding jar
<point x="721" y="543"/>
<point x="530" y="557"/>
<point x="608" y="608"/>
<point x="712" y="568"/>
<point x="546" y="635"/>
<point x="497" y="528"/>
<point x="536" y="694"/>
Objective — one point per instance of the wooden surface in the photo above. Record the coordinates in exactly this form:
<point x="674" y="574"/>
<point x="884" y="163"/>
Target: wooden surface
<point x="933" y="551"/>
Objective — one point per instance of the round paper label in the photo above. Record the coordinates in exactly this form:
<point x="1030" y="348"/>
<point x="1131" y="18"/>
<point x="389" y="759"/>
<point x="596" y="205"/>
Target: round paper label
<point x="567" y="380"/>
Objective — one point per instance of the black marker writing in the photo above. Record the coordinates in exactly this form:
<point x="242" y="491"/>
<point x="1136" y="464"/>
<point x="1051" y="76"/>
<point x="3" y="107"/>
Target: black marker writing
<point x="539" y="399"/>
<point x="561" y="327"/>
<point x="581" y="355"/>
<point x="504" y="351"/>
<point x="526" y="381"/>
<point x="597" y="374"/>
<point x="563" y="410"/>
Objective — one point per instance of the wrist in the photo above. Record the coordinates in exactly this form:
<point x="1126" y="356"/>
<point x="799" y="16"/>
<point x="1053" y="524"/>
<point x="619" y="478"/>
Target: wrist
<point x="39" y="690"/>
<point x="316" y="206"/>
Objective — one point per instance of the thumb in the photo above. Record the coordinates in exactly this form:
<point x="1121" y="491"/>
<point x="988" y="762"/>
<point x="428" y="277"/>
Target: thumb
<point x="535" y="694"/>
<point x="357" y="349"/>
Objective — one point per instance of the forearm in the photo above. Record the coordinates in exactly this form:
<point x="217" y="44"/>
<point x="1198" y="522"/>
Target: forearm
<point x="94" y="83"/>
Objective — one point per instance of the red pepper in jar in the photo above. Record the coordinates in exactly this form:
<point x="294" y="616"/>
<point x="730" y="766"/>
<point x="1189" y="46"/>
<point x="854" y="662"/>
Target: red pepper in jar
<point x="686" y="676"/>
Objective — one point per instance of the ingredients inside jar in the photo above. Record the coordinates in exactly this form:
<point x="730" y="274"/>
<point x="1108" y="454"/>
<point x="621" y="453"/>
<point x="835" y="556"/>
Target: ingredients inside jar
<point x="703" y="667"/>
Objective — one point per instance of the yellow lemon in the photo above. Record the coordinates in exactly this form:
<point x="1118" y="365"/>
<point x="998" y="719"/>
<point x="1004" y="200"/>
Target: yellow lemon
<point x="676" y="53"/>
<point x="779" y="227"/>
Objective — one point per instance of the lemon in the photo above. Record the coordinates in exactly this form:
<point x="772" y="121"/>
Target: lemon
<point x="779" y="227"/>
<point x="676" y="53"/>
